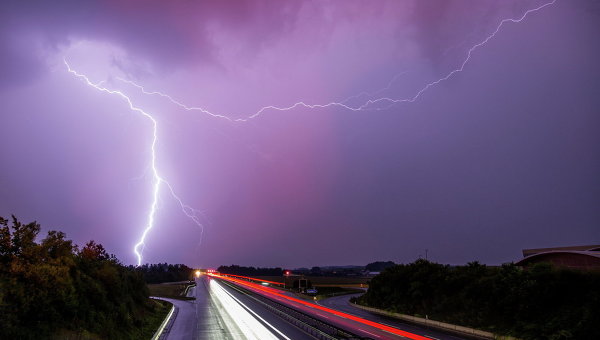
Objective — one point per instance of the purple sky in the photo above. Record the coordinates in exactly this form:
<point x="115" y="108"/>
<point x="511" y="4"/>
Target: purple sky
<point x="502" y="156"/>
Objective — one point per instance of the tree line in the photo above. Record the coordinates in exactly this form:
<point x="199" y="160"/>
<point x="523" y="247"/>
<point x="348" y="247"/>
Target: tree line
<point x="164" y="272"/>
<point x="53" y="287"/>
<point x="250" y="271"/>
<point x="540" y="302"/>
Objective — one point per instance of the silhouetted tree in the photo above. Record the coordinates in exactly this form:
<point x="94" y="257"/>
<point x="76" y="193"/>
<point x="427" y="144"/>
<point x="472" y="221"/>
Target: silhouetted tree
<point x="542" y="302"/>
<point x="378" y="266"/>
<point x="163" y="272"/>
<point x="250" y="271"/>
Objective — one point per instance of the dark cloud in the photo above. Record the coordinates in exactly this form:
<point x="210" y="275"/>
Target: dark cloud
<point x="446" y="29"/>
<point x="167" y="35"/>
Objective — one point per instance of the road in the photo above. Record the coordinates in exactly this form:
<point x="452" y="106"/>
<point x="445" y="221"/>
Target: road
<point x="220" y="312"/>
<point x="372" y="327"/>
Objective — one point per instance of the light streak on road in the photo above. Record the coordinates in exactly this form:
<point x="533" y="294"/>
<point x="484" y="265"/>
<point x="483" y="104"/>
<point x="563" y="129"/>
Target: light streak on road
<point x="247" y="324"/>
<point x="274" y="292"/>
<point x="254" y="279"/>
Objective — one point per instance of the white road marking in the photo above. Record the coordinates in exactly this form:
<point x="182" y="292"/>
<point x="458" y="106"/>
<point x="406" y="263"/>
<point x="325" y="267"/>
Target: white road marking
<point x="375" y="335"/>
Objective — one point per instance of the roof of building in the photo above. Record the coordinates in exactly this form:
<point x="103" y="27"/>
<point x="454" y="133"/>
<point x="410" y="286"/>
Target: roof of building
<point x="530" y="252"/>
<point x="586" y="258"/>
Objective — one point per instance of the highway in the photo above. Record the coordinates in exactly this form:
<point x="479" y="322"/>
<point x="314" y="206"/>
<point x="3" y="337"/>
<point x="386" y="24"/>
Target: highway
<point x="220" y="312"/>
<point x="372" y="327"/>
<point x="233" y="308"/>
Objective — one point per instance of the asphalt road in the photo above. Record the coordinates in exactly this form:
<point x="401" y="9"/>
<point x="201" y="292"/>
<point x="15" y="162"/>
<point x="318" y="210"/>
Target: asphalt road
<point x="220" y="312"/>
<point x="365" y="325"/>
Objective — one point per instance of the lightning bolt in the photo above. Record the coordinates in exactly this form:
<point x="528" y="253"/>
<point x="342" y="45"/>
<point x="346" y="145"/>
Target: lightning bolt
<point x="371" y="94"/>
<point x="157" y="180"/>
<point x="369" y="104"/>
<point x="463" y="64"/>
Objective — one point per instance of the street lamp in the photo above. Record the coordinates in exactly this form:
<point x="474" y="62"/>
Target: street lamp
<point x="286" y="274"/>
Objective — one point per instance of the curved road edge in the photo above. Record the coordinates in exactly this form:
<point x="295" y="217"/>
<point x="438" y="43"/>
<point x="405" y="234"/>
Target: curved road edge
<point x="165" y="326"/>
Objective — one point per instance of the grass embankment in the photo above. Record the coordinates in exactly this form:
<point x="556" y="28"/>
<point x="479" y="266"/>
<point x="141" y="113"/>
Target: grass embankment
<point x="170" y="290"/>
<point x="154" y="320"/>
<point x="152" y="317"/>
<point x="324" y="281"/>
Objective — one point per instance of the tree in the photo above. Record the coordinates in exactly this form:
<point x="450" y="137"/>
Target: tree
<point x="50" y="286"/>
<point x="378" y="266"/>
<point x="542" y="302"/>
<point x="93" y="251"/>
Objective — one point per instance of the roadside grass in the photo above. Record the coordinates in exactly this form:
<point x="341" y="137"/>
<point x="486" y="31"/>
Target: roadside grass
<point x="334" y="291"/>
<point x="155" y="318"/>
<point x="169" y="290"/>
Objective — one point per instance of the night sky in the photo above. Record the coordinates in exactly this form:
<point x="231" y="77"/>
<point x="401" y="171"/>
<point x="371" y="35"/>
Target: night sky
<point x="502" y="156"/>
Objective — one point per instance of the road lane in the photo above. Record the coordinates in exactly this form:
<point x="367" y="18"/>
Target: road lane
<point x="220" y="313"/>
<point x="280" y="325"/>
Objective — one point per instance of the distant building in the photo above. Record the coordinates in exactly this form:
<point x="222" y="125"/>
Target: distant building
<point x="576" y="257"/>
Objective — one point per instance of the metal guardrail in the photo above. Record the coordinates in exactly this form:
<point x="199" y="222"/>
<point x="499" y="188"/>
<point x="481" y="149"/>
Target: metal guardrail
<point x="187" y="288"/>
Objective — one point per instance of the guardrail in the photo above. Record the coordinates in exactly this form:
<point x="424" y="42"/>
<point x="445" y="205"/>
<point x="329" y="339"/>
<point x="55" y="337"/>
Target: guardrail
<point x="187" y="288"/>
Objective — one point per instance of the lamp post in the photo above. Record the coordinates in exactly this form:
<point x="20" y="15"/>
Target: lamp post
<point x="285" y="276"/>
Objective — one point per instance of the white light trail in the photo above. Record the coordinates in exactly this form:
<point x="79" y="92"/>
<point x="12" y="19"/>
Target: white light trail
<point x="157" y="180"/>
<point x="250" y="327"/>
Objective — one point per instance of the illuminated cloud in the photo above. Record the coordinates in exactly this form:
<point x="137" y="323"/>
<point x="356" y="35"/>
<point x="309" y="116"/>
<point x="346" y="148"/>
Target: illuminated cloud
<point x="477" y="160"/>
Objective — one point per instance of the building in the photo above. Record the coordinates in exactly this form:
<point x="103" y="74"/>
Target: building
<point x="576" y="257"/>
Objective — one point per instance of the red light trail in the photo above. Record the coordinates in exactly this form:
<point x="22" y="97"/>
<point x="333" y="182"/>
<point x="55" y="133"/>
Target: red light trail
<point x="271" y="291"/>
<point x="254" y="279"/>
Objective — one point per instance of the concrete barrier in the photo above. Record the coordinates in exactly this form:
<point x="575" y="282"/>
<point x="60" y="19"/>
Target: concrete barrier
<point x="437" y="324"/>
